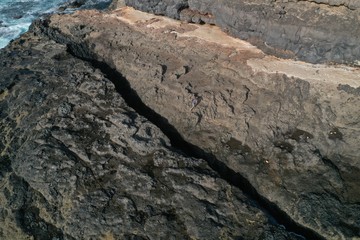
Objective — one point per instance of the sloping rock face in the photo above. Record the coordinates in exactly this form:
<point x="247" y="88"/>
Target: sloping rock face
<point x="284" y="132"/>
<point x="314" y="31"/>
<point x="76" y="162"/>
<point x="127" y="125"/>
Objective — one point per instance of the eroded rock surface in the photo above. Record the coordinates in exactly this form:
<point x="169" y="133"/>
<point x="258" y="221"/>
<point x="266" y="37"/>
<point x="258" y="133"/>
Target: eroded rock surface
<point x="288" y="127"/>
<point x="314" y="31"/>
<point x="76" y="162"/>
<point x="126" y="125"/>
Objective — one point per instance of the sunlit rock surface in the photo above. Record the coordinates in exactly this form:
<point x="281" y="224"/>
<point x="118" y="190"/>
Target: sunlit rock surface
<point x="127" y="125"/>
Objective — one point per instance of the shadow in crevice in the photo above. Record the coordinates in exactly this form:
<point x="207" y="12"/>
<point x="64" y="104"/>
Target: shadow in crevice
<point x="274" y="213"/>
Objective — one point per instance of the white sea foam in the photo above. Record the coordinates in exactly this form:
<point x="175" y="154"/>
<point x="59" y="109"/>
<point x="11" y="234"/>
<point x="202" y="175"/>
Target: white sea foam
<point x="12" y="32"/>
<point x="17" y="15"/>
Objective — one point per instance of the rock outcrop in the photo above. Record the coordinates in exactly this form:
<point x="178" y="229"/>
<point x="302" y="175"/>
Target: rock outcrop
<point x="76" y="162"/>
<point x="314" y="31"/>
<point x="127" y="125"/>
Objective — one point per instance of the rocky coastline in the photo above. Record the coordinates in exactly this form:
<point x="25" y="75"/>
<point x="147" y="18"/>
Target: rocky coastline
<point x="314" y="31"/>
<point x="122" y="124"/>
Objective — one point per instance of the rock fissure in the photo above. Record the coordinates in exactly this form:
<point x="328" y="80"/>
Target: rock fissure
<point x="179" y="144"/>
<point x="282" y="146"/>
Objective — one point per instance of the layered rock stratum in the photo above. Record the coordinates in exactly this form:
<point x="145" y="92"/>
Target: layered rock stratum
<point x="127" y="125"/>
<point x="317" y="31"/>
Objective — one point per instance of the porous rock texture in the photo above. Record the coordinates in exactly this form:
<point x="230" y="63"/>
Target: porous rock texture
<point x="316" y="31"/>
<point x="76" y="162"/>
<point x="127" y="125"/>
<point x="289" y="128"/>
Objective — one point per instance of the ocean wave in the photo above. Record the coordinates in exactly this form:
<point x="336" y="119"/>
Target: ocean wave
<point x="16" y="15"/>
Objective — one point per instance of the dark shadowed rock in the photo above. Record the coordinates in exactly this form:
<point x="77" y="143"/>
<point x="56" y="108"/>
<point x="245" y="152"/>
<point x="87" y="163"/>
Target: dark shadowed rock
<point x="171" y="8"/>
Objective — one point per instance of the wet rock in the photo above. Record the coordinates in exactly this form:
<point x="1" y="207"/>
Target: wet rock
<point x="77" y="3"/>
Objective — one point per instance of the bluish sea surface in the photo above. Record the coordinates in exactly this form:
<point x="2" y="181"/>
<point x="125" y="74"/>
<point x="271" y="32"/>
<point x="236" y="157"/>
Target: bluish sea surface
<point x="17" y="15"/>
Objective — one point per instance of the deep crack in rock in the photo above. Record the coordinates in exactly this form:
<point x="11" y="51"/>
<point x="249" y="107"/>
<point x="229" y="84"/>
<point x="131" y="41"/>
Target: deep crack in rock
<point x="179" y="144"/>
<point x="261" y="143"/>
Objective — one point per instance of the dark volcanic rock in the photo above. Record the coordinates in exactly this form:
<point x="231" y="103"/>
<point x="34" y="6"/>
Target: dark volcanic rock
<point x="278" y="129"/>
<point x="325" y="32"/>
<point x="77" y="163"/>
<point x="124" y="125"/>
<point x="171" y="8"/>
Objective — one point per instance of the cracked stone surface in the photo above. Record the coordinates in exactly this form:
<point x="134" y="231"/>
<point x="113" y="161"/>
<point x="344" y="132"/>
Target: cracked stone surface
<point x="286" y="126"/>
<point x="77" y="162"/>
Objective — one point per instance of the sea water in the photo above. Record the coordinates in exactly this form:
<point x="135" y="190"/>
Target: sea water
<point x="17" y="15"/>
